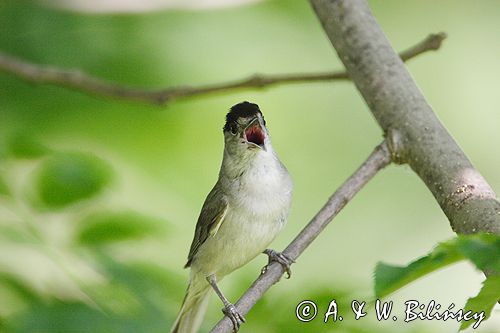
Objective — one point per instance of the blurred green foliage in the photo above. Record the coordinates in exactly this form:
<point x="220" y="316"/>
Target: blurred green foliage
<point x="123" y="296"/>
<point x="100" y="229"/>
<point x="24" y="146"/>
<point x="4" y="189"/>
<point x="67" y="178"/>
<point x="87" y="184"/>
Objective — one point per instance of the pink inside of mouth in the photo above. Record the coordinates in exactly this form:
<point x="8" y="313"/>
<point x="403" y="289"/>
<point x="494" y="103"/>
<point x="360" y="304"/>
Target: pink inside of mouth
<point x="255" y="134"/>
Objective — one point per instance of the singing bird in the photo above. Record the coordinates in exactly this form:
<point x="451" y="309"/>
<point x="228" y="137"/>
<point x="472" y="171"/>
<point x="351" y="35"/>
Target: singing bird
<point x="241" y="216"/>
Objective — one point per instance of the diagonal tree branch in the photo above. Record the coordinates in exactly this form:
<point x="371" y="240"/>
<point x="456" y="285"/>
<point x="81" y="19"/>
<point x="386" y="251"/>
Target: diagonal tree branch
<point x="77" y="80"/>
<point x="380" y="158"/>
<point x="415" y="135"/>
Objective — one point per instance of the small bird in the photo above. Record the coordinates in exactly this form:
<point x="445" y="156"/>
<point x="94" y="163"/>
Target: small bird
<point x="241" y="216"/>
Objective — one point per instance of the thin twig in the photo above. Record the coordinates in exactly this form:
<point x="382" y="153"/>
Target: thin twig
<point x="77" y="80"/>
<point x="380" y="158"/>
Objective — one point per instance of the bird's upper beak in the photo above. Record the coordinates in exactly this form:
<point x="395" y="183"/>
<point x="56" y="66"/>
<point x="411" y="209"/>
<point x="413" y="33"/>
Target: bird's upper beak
<point x="255" y="133"/>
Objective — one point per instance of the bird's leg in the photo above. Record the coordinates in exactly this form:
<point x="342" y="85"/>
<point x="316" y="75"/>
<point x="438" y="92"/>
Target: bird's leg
<point x="279" y="257"/>
<point x="229" y="309"/>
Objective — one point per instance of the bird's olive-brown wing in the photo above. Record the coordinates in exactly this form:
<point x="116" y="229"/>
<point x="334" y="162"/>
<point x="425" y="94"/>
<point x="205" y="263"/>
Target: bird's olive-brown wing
<point x="211" y="217"/>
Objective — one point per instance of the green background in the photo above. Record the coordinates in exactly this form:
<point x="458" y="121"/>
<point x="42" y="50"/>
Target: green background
<point x="111" y="259"/>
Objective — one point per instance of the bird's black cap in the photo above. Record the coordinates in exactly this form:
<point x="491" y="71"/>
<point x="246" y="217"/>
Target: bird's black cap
<point x="240" y="110"/>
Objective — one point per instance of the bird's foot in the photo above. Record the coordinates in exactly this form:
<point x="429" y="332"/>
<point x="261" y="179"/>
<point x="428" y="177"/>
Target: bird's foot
<point x="230" y="311"/>
<point x="279" y="257"/>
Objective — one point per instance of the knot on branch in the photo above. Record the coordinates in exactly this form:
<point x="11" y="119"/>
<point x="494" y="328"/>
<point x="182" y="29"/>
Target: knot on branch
<point x="161" y="98"/>
<point x="258" y="81"/>
<point x="394" y="141"/>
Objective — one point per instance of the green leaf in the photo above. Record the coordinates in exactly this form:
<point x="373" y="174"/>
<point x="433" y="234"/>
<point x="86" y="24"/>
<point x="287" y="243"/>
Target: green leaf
<point x="23" y="146"/>
<point x="66" y="178"/>
<point x="481" y="249"/>
<point x="389" y="278"/>
<point x="104" y="228"/>
<point x="483" y="302"/>
<point x="19" y="287"/>
<point x="3" y="150"/>
<point x="14" y="232"/>
<point x="60" y="316"/>
<point x="4" y="188"/>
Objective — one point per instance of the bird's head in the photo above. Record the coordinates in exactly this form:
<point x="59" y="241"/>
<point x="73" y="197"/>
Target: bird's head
<point x="245" y="130"/>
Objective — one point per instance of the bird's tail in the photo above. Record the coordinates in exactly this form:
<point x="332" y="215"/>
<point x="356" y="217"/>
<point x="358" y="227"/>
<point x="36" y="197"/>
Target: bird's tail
<point x="193" y="308"/>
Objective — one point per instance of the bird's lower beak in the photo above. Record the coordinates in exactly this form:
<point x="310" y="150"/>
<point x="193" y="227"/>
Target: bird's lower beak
<point x="255" y="134"/>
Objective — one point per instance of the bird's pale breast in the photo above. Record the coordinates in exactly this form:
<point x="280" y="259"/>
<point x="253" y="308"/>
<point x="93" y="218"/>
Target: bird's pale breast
<point x="259" y="202"/>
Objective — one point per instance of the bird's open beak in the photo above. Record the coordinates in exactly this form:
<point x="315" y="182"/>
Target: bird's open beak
<point x="255" y="134"/>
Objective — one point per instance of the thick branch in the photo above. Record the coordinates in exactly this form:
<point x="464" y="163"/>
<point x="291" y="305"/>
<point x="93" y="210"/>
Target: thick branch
<point x="415" y="135"/>
<point x="77" y="80"/>
<point x="376" y="161"/>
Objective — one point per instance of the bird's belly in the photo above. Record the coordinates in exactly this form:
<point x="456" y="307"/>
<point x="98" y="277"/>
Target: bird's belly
<point x="240" y="238"/>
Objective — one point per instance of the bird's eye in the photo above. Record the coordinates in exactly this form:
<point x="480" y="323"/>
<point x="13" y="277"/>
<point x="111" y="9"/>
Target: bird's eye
<point x="234" y="129"/>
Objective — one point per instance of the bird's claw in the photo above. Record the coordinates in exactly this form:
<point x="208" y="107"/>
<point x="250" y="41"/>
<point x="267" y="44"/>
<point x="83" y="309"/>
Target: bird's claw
<point x="279" y="257"/>
<point x="233" y="314"/>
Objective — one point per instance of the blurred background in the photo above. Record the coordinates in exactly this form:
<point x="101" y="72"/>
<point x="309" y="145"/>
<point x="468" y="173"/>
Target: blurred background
<point x="99" y="197"/>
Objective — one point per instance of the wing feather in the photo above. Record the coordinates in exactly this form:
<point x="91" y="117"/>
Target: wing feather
<point x="211" y="217"/>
